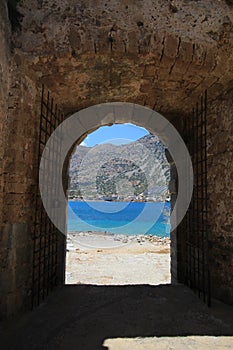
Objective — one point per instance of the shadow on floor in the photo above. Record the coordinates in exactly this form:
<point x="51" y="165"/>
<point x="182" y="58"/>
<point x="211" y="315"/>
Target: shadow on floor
<point x="81" y="317"/>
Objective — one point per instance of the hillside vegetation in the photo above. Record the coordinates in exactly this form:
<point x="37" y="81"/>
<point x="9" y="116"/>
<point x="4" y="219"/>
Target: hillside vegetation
<point x="135" y="171"/>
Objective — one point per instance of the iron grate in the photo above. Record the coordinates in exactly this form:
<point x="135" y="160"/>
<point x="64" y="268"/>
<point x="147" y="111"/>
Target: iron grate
<point x="48" y="242"/>
<point x="197" y="274"/>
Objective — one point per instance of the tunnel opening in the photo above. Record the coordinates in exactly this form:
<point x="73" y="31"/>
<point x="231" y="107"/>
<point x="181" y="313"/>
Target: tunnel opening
<point x="118" y="209"/>
<point x="185" y="252"/>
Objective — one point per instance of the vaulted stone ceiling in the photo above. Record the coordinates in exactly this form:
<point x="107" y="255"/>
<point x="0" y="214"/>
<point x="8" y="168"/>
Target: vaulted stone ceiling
<point x="160" y="53"/>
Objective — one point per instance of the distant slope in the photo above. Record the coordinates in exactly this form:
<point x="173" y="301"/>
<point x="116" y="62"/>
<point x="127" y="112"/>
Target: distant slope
<point x="136" y="168"/>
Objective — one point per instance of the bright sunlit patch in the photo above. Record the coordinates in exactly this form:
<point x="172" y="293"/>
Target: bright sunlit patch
<point x="168" y="343"/>
<point x="83" y="144"/>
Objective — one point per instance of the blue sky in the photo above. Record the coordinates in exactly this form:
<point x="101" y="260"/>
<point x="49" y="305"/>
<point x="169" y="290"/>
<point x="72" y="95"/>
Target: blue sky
<point x="117" y="134"/>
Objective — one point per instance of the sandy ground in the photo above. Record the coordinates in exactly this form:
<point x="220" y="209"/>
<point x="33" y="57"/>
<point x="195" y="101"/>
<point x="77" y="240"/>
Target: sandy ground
<point x="104" y="259"/>
<point x="166" y="343"/>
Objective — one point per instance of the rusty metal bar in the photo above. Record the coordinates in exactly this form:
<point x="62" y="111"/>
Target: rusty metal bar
<point x="46" y="244"/>
<point x="197" y="274"/>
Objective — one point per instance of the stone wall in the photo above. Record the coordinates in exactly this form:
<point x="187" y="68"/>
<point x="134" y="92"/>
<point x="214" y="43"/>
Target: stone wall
<point x="4" y="86"/>
<point x="103" y="51"/>
<point x="220" y="188"/>
<point x="19" y="183"/>
<point x="18" y="120"/>
<point x="5" y="58"/>
<point x="90" y="52"/>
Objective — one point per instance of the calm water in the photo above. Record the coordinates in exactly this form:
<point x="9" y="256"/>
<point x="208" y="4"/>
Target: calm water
<point x="119" y="217"/>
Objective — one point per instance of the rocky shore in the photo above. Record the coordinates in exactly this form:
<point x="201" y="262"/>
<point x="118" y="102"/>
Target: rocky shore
<point x="142" y="238"/>
<point x="120" y="238"/>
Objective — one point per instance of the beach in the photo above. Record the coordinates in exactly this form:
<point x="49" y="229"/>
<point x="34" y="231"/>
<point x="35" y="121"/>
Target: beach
<point x="109" y="259"/>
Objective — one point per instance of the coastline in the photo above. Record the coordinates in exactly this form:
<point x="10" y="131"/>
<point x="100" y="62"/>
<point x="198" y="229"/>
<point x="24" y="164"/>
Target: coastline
<point x="120" y="218"/>
<point x="117" y="201"/>
<point x="137" y="238"/>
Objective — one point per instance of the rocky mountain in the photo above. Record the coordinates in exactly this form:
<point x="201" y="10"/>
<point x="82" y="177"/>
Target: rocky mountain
<point x="137" y="170"/>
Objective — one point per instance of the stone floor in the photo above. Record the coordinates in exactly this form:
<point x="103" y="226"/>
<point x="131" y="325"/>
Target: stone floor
<point x="83" y="317"/>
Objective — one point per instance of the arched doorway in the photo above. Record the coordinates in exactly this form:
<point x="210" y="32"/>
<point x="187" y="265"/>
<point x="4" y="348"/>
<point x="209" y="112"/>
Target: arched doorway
<point x="83" y="123"/>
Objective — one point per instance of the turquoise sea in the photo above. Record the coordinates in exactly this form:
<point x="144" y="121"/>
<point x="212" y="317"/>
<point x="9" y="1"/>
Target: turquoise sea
<point x="127" y="218"/>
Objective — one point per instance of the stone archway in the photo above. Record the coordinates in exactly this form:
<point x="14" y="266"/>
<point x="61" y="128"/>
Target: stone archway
<point x="79" y="124"/>
<point x="90" y="54"/>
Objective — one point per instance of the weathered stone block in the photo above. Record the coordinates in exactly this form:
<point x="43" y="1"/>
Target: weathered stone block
<point x="149" y="71"/>
<point x="173" y="186"/>
<point x="171" y="45"/>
